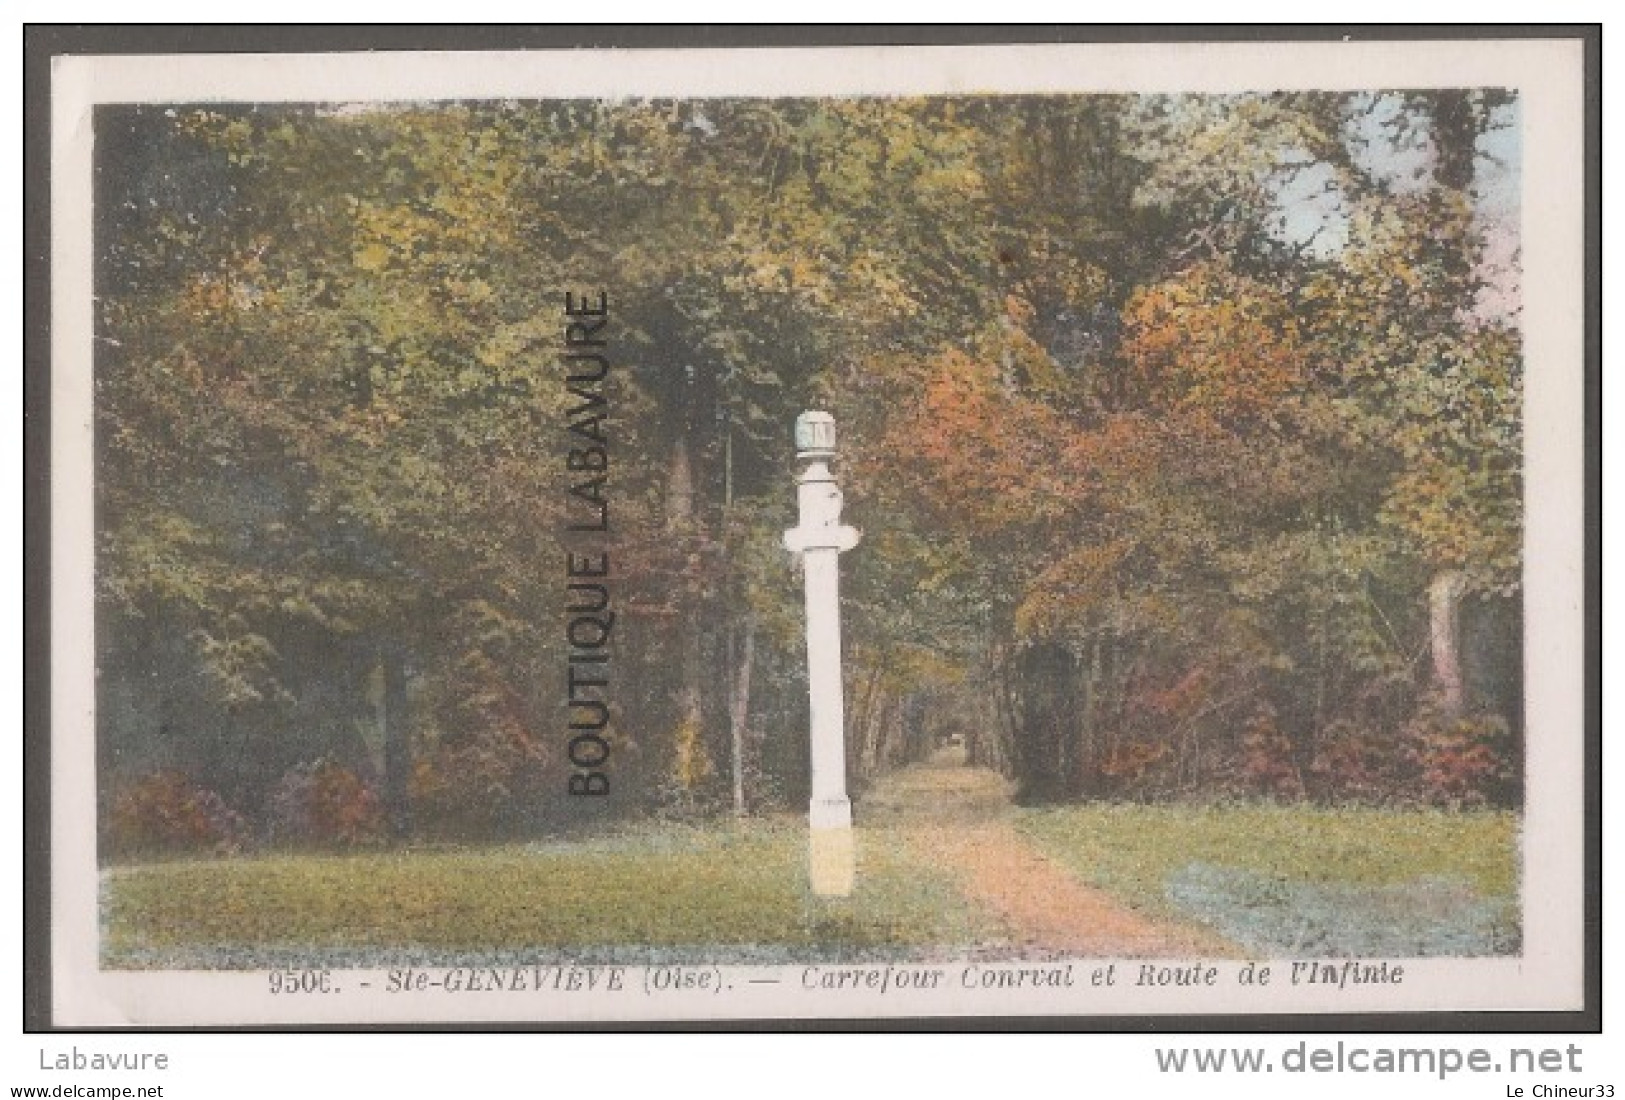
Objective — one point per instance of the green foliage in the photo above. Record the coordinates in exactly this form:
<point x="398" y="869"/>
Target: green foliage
<point x="657" y="891"/>
<point x="1134" y="851"/>
<point x="1095" y="403"/>
<point x="657" y="888"/>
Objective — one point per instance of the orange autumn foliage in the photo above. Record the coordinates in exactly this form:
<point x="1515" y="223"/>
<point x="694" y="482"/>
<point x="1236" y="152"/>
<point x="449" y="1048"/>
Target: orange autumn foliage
<point x="1214" y="341"/>
<point x="989" y="456"/>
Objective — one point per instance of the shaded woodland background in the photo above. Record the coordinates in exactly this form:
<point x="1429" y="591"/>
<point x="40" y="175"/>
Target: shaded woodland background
<point x="1184" y="433"/>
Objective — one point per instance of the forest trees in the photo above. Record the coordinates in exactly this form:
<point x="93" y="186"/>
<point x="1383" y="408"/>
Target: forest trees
<point x="1232" y="540"/>
<point x="1159" y="496"/>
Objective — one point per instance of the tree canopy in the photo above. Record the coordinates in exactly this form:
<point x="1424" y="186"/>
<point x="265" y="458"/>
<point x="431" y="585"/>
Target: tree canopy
<point x="1184" y="431"/>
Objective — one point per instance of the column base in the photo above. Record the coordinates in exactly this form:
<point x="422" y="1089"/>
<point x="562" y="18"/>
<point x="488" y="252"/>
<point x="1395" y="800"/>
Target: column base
<point x="831" y="861"/>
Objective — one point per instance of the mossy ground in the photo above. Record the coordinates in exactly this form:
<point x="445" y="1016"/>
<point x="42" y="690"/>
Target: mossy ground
<point x="739" y="888"/>
<point x="1302" y="879"/>
<point x="658" y="887"/>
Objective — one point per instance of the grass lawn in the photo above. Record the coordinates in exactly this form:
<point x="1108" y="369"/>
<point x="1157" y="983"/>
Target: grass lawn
<point x="1291" y="880"/>
<point x="660" y="887"/>
<point x="1227" y="865"/>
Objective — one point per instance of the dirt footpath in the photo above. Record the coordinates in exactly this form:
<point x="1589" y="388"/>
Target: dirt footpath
<point x="957" y="818"/>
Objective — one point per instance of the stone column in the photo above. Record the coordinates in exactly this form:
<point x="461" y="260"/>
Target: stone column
<point x="819" y="540"/>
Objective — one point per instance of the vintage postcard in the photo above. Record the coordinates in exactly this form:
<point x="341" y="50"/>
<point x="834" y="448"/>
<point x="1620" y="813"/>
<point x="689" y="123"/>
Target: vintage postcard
<point x="570" y="536"/>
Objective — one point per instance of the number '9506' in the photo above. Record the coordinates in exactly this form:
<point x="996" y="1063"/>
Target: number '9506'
<point x="301" y="981"/>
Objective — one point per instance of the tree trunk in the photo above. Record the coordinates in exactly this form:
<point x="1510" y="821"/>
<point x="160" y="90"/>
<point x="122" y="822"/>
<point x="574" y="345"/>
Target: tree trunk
<point x="693" y="762"/>
<point x="1009" y="752"/>
<point x="1444" y="605"/>
<point x="1456" y="124"/>
<point x="1090" y="752"/>
<point x="872" y="709"/>
<point x="679" y="486"/>
<point x="1048" y="724"/>
<point x="397" y="744"/>
<point x="739" y="712"/>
